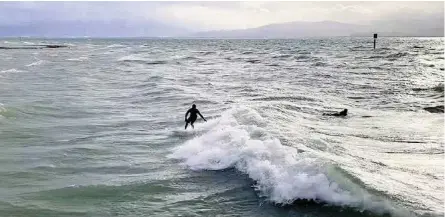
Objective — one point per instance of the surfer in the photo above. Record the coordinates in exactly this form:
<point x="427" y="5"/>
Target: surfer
<point x="193" y="111"/>
<point x="342" y="113"/>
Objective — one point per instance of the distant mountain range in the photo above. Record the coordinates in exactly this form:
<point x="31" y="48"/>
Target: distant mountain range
<point x="431" y="26"/>
<point x="288" y="30"/>
<point x="330" y="29"/>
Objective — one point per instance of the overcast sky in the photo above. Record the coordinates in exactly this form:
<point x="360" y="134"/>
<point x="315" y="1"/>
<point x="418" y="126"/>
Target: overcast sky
<point x="216" y="15"/>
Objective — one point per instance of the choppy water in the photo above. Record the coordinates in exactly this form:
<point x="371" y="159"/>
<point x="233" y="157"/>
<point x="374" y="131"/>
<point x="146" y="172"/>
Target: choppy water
<point x="96" y="129"/>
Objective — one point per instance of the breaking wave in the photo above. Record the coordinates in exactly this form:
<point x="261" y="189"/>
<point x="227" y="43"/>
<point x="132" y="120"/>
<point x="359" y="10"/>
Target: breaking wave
<point x="282" y="174"/>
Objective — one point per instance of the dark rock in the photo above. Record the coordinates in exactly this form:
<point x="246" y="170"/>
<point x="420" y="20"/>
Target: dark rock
<point x="32" y="47"/>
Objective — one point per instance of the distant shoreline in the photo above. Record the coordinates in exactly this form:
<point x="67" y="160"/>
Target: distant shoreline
<point x="205" y="38"/>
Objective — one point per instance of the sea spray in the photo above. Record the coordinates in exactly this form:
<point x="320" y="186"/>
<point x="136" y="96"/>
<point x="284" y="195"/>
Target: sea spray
<point x="281" y="173"/>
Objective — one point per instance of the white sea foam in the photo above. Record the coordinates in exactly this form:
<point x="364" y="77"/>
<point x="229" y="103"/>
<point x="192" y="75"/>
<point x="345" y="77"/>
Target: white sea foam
<point x="116" y="46"/>
<point x="79" y="59"/>
<point x="39" y="62"/>
<point x="13" y="70"/>
<point x="281" y="173"/>
<point x="131" y="57"/>
<point x="3" y="110"/>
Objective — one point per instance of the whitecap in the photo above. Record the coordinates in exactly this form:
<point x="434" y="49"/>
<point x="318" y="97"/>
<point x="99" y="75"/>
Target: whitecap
<point x="39" y="62"/>
<point x="13" y="70"/>
<point x="281" y="173"/>
<point x="79" y="59"/>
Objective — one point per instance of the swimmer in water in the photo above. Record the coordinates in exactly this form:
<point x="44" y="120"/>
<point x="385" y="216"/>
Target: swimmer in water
<point x="341" y="114"/>
<point x="193" y="115"/>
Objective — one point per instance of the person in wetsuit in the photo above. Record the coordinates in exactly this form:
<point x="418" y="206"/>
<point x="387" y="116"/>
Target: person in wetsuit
<point x="341" y="114"/>
<point x="193" y="115"/>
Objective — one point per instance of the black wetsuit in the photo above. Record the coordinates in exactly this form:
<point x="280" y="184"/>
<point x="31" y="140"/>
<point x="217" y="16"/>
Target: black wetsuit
<point x="341" y="114"/>
<point x="192" y="118"/>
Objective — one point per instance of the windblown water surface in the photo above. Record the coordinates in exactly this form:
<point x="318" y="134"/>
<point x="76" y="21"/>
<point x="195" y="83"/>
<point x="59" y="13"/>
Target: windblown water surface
<point x="97" y="128"/>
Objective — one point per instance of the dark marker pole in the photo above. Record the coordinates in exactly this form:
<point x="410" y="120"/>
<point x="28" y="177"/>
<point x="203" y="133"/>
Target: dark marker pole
<point x="375" y="38"/>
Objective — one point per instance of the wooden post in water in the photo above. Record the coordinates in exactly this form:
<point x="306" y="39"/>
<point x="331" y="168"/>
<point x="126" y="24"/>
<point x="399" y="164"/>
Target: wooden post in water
<point x="375" y="38"/>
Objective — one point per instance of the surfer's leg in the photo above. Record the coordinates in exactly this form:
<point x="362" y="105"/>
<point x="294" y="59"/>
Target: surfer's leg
<point x="192" y="121"/>
<point x="186" y="124"/>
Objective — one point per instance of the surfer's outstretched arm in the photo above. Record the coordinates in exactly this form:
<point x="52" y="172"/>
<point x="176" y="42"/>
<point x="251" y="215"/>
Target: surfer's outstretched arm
<point x="199" y="113"/>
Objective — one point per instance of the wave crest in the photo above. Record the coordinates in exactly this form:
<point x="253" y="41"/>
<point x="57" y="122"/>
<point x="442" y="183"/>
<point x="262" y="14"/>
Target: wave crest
<point x="281" y="173"/>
